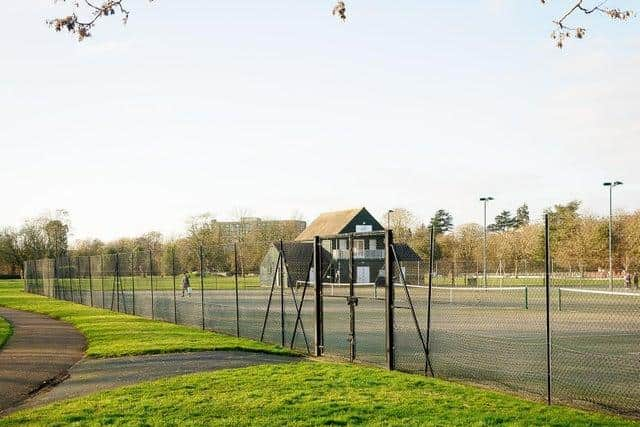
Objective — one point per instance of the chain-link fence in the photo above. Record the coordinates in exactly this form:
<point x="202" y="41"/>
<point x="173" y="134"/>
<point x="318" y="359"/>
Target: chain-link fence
<point x="540" y="331"/>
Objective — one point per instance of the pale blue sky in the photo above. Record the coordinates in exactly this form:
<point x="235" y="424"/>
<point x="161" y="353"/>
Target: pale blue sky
<point x="275" y="107"/>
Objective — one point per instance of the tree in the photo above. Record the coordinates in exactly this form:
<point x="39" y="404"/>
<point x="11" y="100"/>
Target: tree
<point x="421" y="243"/>
<point x="442" y="221"/>
<point x="82" y="27"/>
<point x="522" y="216"/>
<point x="503" y="222"/>
<point x="402" y="222"/>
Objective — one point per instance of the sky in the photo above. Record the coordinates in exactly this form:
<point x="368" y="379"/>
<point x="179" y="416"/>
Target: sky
<point x="277" y="109"/>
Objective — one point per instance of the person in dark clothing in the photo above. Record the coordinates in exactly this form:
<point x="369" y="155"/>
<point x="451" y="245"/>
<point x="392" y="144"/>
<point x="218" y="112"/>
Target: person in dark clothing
<point x="186" y="285"/>
<point x="636" y="279"/>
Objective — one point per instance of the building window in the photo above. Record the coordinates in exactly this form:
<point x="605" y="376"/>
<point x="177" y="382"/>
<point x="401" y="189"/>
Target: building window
<point x="343" y="244"/>
<point x="373" y="244"/>
<point x="358" y="247"/>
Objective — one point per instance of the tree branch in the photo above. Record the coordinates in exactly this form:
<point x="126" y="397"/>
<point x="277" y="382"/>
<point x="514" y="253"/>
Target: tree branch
<point x="563" y="31"/>
<point x="82" y="28"/>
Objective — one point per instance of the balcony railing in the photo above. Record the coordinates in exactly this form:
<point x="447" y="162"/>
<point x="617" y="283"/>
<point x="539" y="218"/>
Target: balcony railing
<point x="359" y="254"/>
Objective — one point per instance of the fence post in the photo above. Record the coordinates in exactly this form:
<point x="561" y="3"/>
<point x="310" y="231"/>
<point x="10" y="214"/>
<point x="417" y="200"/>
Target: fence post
<point x="90" y="284"/>
<point x="173" y="273"/>
<point x="430" y="283"/>
<point x="235" y="274"/>
<point x="202" y="285"/>
<point x="389" y="294"/>
<point x="317" y="277"/>
<point x="133" y="285"/>
<point x="78" y="277"/>
<point x="282" y="294"/>
<point x="153" y="316"/>
<point x="69" y="277"/>
<point x="547" y="284"/>
<point x="352" y="301"/>
<point x="102" y="277"/>
<point x="117" y="285"/>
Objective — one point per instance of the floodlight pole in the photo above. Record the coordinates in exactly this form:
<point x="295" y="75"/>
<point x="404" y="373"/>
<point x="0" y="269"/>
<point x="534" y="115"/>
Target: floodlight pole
<point x="611" y="185"/>
<point x="389" y="212"/>
<point x="484" y="249"/>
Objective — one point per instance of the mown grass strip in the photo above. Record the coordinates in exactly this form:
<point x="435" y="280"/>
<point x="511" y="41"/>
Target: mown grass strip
<point x="111" y="334"/>
<point x="306" y="394"/>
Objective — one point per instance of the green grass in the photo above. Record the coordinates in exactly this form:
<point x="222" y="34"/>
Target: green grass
<point x="111" y="334"/>
<point x="161" y="283"/>
<point x="307" y="393"/>
<point x="5" y="331"/>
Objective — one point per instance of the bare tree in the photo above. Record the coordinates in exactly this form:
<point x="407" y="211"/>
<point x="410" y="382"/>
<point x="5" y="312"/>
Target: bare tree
<point x="94" y="12"/>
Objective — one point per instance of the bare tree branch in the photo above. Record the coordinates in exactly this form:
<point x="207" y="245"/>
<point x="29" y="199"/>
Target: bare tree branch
<point x="564" y="31"/>
<point x="82" y="28"/>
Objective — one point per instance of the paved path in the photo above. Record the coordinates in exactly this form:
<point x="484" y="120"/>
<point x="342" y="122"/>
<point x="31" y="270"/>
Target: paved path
<point x="39" y="353"/>
<point x="91" y="375"/>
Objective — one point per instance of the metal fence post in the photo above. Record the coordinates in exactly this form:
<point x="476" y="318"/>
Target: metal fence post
<point x="317" y="278"/>
<point x="153" y="315"/>
<point x="202" y="285"/>
<point x="235" y="264"/>
<point x="389" y="294"/>
<point x="352" y="302"/>
<point x="133" y="285"/>
<point x="173" y="273"/>
<point x="102" y="277"/>
<point x="117" y="285"/>
<point x="69" y="277"/>
<point x="547" y="284"/>
<point x="90" y="284"/>
<point x="282" y="294"/>
<point x="78" y="277"/>
<point x="430" y="283"/>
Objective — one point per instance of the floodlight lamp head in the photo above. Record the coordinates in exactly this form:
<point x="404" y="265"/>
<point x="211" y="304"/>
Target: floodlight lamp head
<point x="617" y="183"/>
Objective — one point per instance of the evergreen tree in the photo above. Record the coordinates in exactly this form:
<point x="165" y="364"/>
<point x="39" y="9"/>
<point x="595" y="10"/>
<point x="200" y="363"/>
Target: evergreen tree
<point x="442" y="221"/>
<point x="503" y="222"/>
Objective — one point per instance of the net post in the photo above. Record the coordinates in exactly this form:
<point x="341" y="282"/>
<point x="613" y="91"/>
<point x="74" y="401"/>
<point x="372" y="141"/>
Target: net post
<point x="547" y="283"/>
<point x="389" y="294"/>
<point x="235" y="274"/>
<point x="526" y="298"/>
<point x="559" y="299"/>
<point x="317" y="273"/>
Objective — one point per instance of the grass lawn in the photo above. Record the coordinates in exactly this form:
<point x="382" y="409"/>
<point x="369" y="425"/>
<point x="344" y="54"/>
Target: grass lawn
<point x="111" y="334"/>
<point x="5" y="331"/>
<point x="307" y="393"/>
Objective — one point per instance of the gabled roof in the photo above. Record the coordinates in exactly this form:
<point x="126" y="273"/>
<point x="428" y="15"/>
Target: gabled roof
<point x="405" y="252"/>
<point x="329" y="223"/>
